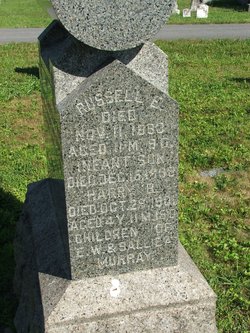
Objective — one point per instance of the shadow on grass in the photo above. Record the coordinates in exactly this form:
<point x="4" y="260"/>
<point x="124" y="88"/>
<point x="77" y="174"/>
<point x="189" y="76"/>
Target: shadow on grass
<point x="231" y="4"/>
<point x="32" y="71"/>
<point x="241" y="79"/>
<point x="10" y="209"/>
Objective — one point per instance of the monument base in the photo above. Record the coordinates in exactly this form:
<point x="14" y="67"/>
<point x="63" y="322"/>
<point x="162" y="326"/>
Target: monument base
<point x="169" y="299"/>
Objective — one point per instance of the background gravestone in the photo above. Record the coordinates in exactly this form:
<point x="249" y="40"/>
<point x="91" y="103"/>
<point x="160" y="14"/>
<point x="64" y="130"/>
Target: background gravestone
<point x="97" y="250"/>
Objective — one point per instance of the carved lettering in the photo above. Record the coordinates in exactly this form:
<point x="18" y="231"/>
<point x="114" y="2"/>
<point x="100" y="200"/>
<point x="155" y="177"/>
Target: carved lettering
<point x="120" y="260"/>
<point x="106" y="235"/>
<point x="123" y="165"/>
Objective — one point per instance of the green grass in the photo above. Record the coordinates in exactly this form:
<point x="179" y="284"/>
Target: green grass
<point x="33" y="13"/>
<point x="220" y="11"/>
<point x="21" y="153"/>
<point x="24" y="13"/>
<point x="210" y="80"/>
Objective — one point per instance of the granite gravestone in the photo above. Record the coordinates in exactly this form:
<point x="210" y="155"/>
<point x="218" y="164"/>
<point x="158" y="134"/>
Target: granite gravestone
<point x="103" y="241"/>
<point x="113" y="25"/>
<point x="120" y="167"/>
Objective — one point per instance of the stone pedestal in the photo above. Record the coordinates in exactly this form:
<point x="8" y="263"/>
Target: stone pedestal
<point x="167" y="299"/>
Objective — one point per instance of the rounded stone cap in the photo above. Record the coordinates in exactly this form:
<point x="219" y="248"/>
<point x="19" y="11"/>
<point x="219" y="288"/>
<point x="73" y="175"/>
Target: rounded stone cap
<point x="112" y="24"/>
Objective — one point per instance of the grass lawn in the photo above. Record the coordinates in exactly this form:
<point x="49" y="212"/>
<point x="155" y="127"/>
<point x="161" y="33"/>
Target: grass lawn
<point x="220" y="11"/>
<point x="24" y="13"/>
<point x="33" y="13"/>
<point x="210" y="80"/>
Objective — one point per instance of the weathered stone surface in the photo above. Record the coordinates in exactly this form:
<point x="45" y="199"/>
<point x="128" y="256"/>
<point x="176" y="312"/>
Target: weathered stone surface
<point x="98" y="252"/>
<point x="113" y="25"/>
<point x="65" y="63"/>
<point x="120" y="151"/>
<point x="68" y="75"/>
<point x="173" y="299"/>
<point x="149" y="62"/>
<point x="139" y="291"/>
<point x="166" y="299"/>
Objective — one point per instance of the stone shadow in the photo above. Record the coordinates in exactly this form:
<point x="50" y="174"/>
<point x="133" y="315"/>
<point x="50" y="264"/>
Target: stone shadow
<point x="22" y="281"/>
<point x="58" y="46"/>
<point x="10" y="209"/>
<point x="42" y="228"/>
<point x="32" y="71"/>
<point x="241" y="79"/>
<point x="41" y="252"/>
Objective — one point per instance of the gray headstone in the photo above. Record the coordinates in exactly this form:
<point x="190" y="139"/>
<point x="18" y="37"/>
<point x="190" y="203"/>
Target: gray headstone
<point x="137" y="83"/>
<point x="165" y="299"/>
<point x="65" y="63"/>
<point x="114" y="24"/>
<point x="120" y="142"/>
<point x="98" y="250"/>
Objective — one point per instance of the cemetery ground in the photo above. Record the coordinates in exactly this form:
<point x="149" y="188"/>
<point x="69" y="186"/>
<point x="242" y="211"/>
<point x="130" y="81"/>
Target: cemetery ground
<point x="23" y="13"/>
<point x="220" y="11"/>
<point x="33" y="13"/>
<point x="211" y="82"/>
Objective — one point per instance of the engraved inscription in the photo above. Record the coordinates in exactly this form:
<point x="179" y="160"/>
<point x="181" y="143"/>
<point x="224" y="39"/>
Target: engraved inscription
<point x="122" y="161"/>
